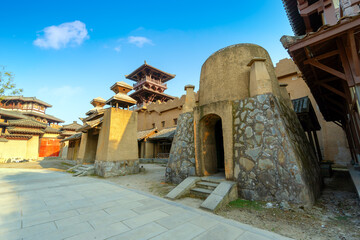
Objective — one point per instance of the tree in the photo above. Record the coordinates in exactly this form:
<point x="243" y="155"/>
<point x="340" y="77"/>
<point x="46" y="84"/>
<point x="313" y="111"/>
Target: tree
<point x="7" y="85"/>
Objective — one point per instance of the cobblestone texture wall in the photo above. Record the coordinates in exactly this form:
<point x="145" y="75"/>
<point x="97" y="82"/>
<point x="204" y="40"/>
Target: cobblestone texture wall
<point x="273" y="160"/>
<point x="181" y="162"/>
<point x="116" y="168"/>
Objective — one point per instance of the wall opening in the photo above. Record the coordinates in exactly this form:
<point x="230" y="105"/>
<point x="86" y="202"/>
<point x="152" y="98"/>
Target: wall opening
<point x="91" y="146"/>
<point x="212" y="144"/>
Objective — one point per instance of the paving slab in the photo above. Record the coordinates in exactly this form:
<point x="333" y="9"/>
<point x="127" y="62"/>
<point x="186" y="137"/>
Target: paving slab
<point x="41" y="204"/>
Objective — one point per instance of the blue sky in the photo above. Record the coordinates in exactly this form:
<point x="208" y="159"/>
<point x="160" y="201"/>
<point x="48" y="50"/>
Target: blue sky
<point x="69" y="52"/>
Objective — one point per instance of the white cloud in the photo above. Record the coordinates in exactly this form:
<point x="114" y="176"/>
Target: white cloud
<point x="63" y="35"/>
<point x="117" y="49"/>
<point x="139" y="41"/>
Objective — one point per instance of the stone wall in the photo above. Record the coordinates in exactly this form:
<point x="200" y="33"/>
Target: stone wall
<point x="116" y="168"/>
<point x="273" y="160"/>
<point x="181" y="162"/>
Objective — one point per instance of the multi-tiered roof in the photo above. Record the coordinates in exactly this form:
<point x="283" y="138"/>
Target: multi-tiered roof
<point x="150" y="84"/>
<point x="29" y="106"/>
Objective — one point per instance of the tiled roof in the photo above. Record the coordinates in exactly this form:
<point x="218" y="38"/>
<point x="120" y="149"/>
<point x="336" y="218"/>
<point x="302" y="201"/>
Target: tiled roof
<point x="71" y="126"/>
<point x="4" y="124"/>
<point x="98" y="99"/>
<point x="306" y="114"/>
<point x="16" y="136"/>
<point x="122" y="99"/>
<point x="165" y="76"/>
<point x="296" y="21"/>
<point x="166" y="133"/>
<point x="27" y="99"/>
<point x="73" y="137"/>
<point x="51" y="130"/>
<point x="99" y="113"/>
<point x="12" y="114"/>
<point x="25" y="130"/>
<point x="43" y="115"/>
<point x="94" y="110"/>
<point x="90" y="124"/>
<point x="121" y="84"/>
<point x="67" y="133"/>
<point x="27" y="123"/>
<point x="143" y="134"/>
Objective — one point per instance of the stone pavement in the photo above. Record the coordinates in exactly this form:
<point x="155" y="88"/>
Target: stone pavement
<point x="41" y="204"/>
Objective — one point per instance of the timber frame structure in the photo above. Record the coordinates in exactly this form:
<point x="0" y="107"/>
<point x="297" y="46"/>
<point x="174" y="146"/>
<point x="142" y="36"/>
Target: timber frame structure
<point x="150" y="84"/>
<point x="326" y="50"/>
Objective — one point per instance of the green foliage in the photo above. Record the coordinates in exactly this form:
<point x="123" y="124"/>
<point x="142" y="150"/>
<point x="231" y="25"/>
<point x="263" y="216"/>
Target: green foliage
<point x="241" y="203"/>
<point x="7" y="85"/>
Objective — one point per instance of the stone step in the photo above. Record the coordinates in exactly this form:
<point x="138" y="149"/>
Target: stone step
<point x="207" y="185"/>
<point x="202" y="193"/>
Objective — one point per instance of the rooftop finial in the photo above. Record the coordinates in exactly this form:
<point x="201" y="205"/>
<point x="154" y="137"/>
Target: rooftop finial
<point x="144" y="61"/>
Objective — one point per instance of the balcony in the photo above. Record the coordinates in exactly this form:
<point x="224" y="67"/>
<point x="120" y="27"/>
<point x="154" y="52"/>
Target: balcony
<point x="157" y="82"/>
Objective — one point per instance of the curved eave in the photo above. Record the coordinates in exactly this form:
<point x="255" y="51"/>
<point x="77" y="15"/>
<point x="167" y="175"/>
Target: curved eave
<point x="168" y="76"/>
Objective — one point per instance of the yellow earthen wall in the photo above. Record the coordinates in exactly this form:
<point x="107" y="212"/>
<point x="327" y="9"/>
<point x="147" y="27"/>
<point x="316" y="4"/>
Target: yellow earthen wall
<point x="225" y="74"/>
<point x="13" y="149"/>
<point x="158" y="112"/>
<point x="32" y="149"/>
<point x="118" y="136"/>
<point x="82" y="148"/>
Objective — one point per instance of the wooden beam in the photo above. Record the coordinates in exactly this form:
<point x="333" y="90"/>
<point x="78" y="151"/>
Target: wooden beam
<point x="332" y="89"/>
<point x="329" y="99"/>
<point x="354" y="52"/>
<point x="345" y="62"/>
<point x="323" y="56"/>
<point x="325" y="68"/>
<point x="335" y="110"/>
<point x="315" y="7"/>
<point x="322" y="36"/>
<point x="324" y="80"/>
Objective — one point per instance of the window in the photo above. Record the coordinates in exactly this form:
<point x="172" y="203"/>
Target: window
<point x="175" y="121"/>
<point x="163" y="123"/>
<point x="153" y="125"/>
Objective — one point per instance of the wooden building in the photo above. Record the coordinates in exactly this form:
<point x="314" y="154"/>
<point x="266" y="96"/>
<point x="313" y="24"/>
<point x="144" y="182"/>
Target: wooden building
<point x="326" y="50"/>
<point x="150" y="84"/>
<point x="29" y="106"/>
<point x="27" y="132"/>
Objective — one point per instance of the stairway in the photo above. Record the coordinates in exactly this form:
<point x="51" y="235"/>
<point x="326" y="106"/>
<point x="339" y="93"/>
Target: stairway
<point x="203" y="189"/>
<point x="82" y="170"/>
<point x="215" y="192"/>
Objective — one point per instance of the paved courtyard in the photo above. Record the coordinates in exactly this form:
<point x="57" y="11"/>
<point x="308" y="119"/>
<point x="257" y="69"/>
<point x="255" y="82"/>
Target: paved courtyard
<point x="40" y="204"/>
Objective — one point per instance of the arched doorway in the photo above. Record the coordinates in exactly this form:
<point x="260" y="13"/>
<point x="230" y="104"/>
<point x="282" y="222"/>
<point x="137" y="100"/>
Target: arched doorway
<point x="212" y="144"/>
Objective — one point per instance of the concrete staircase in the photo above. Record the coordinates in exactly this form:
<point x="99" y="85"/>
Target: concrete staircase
<point x="203" y="189"/>
<point x="215" y="192"/>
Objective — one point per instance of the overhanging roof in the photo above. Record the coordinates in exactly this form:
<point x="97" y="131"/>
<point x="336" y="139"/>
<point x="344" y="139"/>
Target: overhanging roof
<point x="43" y="115"/>
<point x="164" y="134"/>
<point x="138" y="73"/>
<point x="296" y="21"/>
<point x="318" y="56"/>
<point x="27" y="99"/>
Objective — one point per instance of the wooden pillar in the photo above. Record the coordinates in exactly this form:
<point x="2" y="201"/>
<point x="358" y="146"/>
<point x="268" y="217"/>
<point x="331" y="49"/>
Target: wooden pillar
<point x="317" y="146"/>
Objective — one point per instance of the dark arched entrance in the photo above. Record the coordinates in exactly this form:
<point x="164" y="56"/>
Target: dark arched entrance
<point x="212" y="144"/>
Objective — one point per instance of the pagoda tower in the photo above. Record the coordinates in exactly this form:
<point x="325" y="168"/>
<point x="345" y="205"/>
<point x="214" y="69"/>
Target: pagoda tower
<point x="150" y="84"/>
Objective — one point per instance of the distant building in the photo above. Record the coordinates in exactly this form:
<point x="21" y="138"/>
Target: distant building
<point x="150" y="84"/>
<point x="27" y="132"/>
<point x="29" y="106"/>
